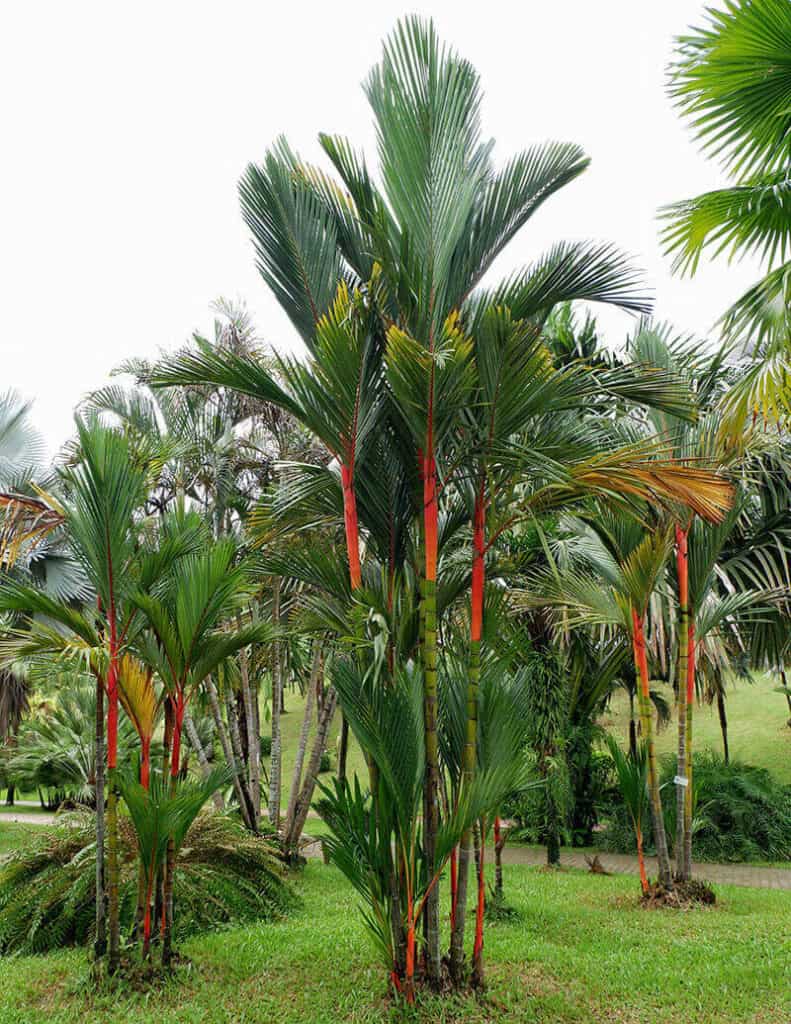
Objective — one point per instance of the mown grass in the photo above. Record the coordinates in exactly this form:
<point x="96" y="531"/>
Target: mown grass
<point x="13" y="835"/>
<point x="758" y="731"/>
<point x="581" y="951"/>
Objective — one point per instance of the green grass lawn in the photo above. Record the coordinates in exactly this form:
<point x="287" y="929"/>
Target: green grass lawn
<point x="581" y="951"/>
<point x="758" y="732"/>
<point x="13" y="835"/>
<point x="291" y="724"/>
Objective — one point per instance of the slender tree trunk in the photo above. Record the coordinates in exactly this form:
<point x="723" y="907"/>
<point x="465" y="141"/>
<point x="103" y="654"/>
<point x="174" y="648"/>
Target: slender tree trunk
<point x="477" y="949"/>
<point x="100" y="943"/>
<point x="784" y="683"/>
<point x="641" y="861"/>
<point x="203" y="761"/>
<point x="723" y="725"/>
<point x="170" y="857"/>
<point x="142" y="883"/>
<point x="236" y="743"/>
<point x="245" y="807"/>
<point x="114" y="921"/>
<point x="470" y="751"/>
<point x="689" y="794"/>
<point x="343" y="749"/>
<point x="302" y="803"/>
<point x="682" y="783"/>
<point x="431" y="796"/>
<point x="632" y="729"/>
<point x="499" y="842"/>
<point x="296" y="778"/>
<point x="660" y="837"/>
<point x="277" y="683"/>
<point x="253" y="739"/>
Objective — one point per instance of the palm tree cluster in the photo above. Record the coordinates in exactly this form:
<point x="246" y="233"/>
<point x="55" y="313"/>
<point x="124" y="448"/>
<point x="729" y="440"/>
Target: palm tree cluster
<point x="454" y="517"/>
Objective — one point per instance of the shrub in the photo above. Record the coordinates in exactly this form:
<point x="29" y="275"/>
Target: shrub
<point x="741" y="812"/>
<point x="224" y="874"/>
<point x="266" y="747"/>
<point x="325" y="764"/>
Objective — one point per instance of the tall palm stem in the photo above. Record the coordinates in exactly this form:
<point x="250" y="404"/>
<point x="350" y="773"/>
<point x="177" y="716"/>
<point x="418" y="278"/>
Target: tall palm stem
<point x="114" y="923"/>
<point x="276" y="767"/>
<point x="431" y="796"/>
<point x="682" y="783"/>
<point x="660" y="837"/>
<point x="470" y="751"/>
<point x="100" y="942"/>
<point x="688" y="795"/>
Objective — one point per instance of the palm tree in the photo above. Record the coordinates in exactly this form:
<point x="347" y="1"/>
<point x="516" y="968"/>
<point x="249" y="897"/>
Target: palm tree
<point x="383" y="285"/>
<point x="184" y="637"/>
<point x="629" y="563"/>
<point x="732" y="80"/>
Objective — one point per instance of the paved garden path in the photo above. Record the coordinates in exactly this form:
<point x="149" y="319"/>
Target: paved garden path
<point x="745" y="875"/>
<point x="621" y="864"/>
<point x="748" y="875"/>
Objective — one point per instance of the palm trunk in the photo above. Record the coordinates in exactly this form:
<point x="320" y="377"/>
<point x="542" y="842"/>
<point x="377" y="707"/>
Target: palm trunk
<point x="682" y="783"/>
<point x="641" y="861"/>
<point x="343" y="749"/>
<point x="499" y="843"/>
<point x="277" y="684"/>
<point x="100" y="942"/>
<point x="245" y="808"/>
<point x="470" y="752"/>
<point x="688" y="796"/>
<point x="253" y="739"/>
<point x="302" y="803"/>
<point x="236" y="744"/>
<point x="431" y="794"/>
<point x="660" y="837"/>
<point x="114" y="922"/>
<point x="203" y="761"/>
<point x="142" y="882"/>
<point x="723" y="725"/>
<point x="170" y="858"/>
<point x="477" y="949"/>
<point x="296" y="778"/>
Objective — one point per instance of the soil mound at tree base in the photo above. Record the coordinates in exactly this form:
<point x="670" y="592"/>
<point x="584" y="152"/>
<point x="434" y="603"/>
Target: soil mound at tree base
<point x="683" y="896"/>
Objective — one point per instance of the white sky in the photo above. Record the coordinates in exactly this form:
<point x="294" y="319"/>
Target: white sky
<point x="126" y="127"/>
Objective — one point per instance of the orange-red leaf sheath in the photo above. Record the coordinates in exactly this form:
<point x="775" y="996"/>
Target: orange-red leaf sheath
<point x="352" y="526"/>
<point x="640" y="655"/>
<point x="430" y="514"/>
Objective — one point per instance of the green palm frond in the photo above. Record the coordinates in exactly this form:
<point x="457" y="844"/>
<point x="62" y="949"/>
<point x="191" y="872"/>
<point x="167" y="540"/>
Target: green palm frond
<point x="732" y="80"/>
<point x="294" y="237"/>
<point x="749" y="218"/>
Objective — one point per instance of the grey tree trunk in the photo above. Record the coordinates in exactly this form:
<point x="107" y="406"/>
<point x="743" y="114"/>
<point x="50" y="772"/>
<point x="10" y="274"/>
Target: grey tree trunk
<point x="236" y="744"/>
<point x="228" y="754"/>
<point x="277" y="686"/>
<point x="203" y="761"/>
<point x="296" y="779"/>
<point x="302" y="805"/>
<point x="253" y="739"/>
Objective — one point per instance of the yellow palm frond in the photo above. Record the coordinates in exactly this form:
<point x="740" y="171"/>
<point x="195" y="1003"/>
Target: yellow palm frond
<point x="137" y="694"/>
<point x="632" y="473"/>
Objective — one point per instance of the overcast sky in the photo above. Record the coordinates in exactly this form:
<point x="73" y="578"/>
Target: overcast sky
<point x="126" y="127"/>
